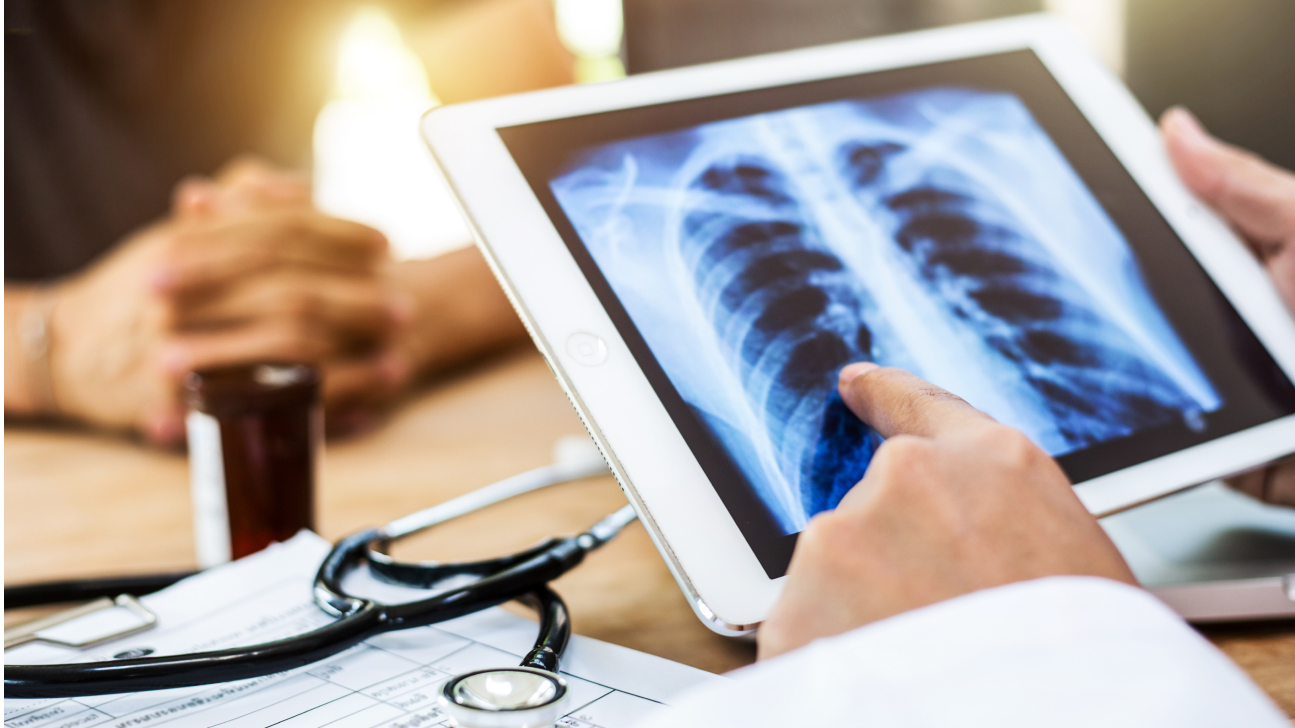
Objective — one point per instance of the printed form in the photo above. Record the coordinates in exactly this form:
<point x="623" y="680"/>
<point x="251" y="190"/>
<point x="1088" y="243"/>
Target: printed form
<point x="390" y="681"/>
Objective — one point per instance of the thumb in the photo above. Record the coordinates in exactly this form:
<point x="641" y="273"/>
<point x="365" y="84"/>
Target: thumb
<point x="163" y="426"/>
<point x="895" y="402"/>
<point x="1257" y="198"/>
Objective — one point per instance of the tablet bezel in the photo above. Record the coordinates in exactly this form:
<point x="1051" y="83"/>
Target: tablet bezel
<point x="706" y="552"/>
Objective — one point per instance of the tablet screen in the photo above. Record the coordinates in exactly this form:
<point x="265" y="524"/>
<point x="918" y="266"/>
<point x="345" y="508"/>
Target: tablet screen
<point x="927" y="219"/>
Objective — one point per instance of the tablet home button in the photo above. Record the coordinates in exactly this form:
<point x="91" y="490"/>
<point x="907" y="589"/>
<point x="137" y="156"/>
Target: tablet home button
<point x="587" y="349"/>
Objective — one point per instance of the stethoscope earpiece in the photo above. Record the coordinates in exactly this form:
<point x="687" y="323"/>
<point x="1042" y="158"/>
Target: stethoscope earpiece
<point x="507" y="697"/>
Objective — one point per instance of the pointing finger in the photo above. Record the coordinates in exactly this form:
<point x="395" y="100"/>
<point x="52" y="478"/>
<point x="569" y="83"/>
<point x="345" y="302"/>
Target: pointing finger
<point x="895" y="402"/>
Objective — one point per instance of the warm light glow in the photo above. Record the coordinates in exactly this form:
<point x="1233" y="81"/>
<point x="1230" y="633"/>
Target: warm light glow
<point x="592" y="30"/>
<point x="370" y="164"/>
<point x="373" y="62"/>
<point x="1099" y="23"/>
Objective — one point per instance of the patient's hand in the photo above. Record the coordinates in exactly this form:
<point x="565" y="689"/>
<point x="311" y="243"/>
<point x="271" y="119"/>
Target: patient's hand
<point x="953" y="502"/>
<point x="450" y="307"/>
<point x="246" y="269"/>
<point x="342" y="310"/>
<point x="1258" y="199"/>
<point x="243" y="270"/>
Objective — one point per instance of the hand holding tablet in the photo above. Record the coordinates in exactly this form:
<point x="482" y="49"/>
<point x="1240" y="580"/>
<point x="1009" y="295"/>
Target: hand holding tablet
<point x="1258" y="201"/>
<point x="983" y="206"/>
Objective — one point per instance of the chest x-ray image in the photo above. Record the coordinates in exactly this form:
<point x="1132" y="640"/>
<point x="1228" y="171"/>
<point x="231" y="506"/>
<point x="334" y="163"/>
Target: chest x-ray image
<point x="937" y="230"/>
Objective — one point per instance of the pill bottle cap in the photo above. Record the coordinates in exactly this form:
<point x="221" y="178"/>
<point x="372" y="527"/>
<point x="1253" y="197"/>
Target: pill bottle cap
<point x="249" y="388"/>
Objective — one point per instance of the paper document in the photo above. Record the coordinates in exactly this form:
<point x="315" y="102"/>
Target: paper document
<point x="390" y="681"/>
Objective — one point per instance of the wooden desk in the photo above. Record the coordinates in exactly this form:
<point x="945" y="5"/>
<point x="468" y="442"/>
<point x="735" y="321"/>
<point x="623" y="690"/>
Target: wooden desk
<point x="78" y="504"/>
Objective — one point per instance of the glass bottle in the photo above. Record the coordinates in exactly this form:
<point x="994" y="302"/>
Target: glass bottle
<point x="254" y="435"/>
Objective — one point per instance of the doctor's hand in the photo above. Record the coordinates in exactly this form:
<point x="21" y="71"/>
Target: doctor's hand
<point x="1258" y="200"/>
<point x="952" y="503"/>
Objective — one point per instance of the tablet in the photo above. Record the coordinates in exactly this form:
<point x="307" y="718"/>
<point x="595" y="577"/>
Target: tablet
<point x="698" y="252"/>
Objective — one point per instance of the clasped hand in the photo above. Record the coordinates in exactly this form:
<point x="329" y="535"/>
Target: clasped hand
<point x="243" y="269"/>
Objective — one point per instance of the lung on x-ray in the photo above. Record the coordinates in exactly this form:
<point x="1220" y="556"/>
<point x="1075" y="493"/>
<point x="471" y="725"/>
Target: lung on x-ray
<point x="937" y="230"/>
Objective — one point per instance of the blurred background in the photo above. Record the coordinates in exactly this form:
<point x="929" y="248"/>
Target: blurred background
<point x="337" y="87"/>
<point x="1230" y="61"/>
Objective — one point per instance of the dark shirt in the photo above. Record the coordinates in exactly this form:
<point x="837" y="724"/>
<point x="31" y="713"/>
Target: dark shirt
<point x="108" y="103"/>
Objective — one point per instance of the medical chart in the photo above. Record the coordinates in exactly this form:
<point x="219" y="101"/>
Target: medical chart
<point x="390" y="681"/>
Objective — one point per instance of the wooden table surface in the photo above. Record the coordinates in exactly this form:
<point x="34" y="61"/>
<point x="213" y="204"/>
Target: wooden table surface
<point x="81" y="504"/>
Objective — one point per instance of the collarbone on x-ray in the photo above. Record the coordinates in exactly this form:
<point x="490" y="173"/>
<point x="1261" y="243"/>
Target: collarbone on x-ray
<point x="938" y="230"/>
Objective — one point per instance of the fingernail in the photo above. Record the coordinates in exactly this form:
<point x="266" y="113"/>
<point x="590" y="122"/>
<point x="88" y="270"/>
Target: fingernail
<point x="400" y="308"/>
<point x="195" y="195"/>
<point x="165" y="428"/>
<point x="395" y="369"/>
<point x="173" y="359"/>
<point x="1189" y="127"/>
<point x="162" y="279"/>
<point x="851" y="371"/>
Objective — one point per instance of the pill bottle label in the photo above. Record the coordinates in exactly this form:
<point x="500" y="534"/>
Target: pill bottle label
<point x="207" y="479"/>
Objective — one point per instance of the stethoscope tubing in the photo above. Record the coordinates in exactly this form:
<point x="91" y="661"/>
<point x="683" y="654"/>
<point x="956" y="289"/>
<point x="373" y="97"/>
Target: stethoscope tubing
<point x="192" y="670"/>
<point x="522" y="576"/>
<point x="361" y="620"/>
<point x="79" y="590"/>
<point x="531" y="480"/>
<point x="358" y="620"/>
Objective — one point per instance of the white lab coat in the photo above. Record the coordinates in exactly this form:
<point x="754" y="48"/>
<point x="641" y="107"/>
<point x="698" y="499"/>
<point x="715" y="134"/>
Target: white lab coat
<point x="1061" y="651"/>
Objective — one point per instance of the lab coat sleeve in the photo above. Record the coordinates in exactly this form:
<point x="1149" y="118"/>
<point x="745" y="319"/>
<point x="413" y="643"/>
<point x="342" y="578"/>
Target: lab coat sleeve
<point x="1060" y="651"/>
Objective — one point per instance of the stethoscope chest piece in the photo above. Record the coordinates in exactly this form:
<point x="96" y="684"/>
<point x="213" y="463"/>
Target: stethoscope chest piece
<point x="505" y="697"/>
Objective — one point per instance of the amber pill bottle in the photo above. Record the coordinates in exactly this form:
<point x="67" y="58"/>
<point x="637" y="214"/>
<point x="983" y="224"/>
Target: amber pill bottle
<point x="254" y="437"/>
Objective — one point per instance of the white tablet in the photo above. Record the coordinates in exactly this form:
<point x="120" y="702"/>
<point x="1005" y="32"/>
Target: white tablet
<point x="698" y="252"/>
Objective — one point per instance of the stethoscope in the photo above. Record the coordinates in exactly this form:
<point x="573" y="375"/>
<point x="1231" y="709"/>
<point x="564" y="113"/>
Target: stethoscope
<point x="531" y="694"/>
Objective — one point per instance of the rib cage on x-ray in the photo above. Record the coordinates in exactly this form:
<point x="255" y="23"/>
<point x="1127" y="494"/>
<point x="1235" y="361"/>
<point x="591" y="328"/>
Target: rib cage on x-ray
<point x="1007" y="287"/>
<point x="790" y="316"/>
<point x="797" y="241"/>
